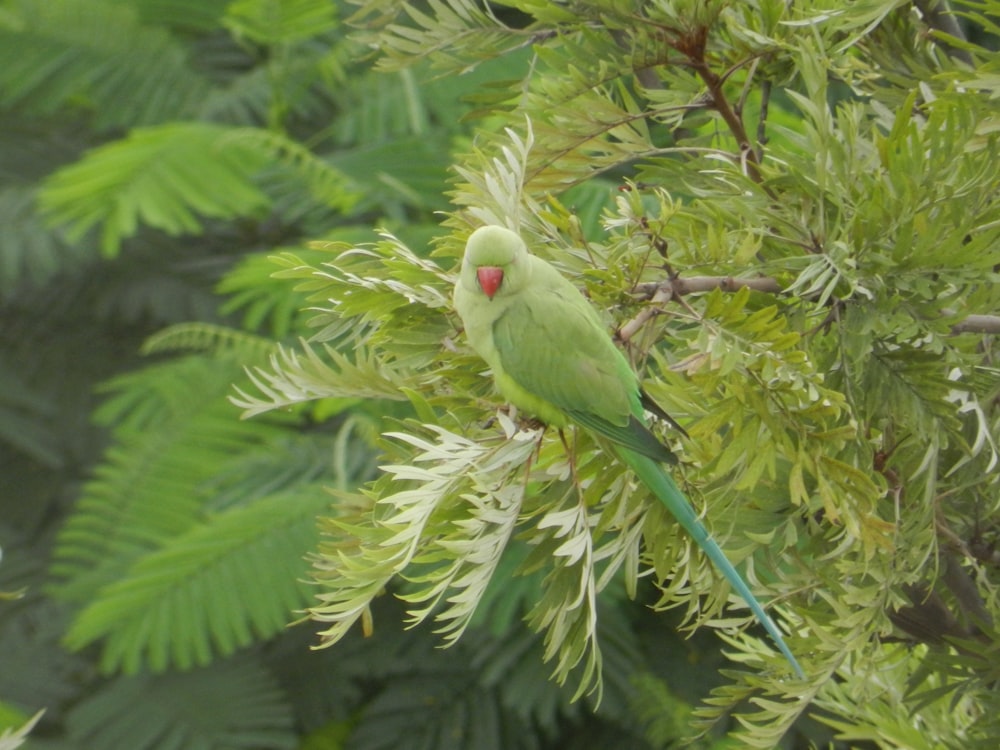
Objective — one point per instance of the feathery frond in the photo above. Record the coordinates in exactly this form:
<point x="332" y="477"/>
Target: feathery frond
<point x="95" y="52"/>
<point x="209" y="338"/>
<point x="166" y="177"/>
<point x="168" y="710"/>
<point x="11" y="739"/>
<point x="232" y="579"/>
<point x="30" y="254"/>
<point x="454" y="34"/>
<point x="174" y="428"/>
<point x="439" y="510"/>
<point x="25" y="419"/>
<point x="328" y="186"/>
<point x="296" y="379"/>
<point x="269" y="23"/>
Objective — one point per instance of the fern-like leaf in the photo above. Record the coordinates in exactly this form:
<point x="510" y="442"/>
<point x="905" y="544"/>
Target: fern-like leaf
<point x="167" y="177"/>
<point x="230" y="580"/>
<point x="441" y="707"/>
<point x="99" y="52"/>
<point x="30" y="253"/>
<point x="11" y="739"/>
<point x="246" y="705"/>
<point x="473" y="546"/>
<point x="296" y="379"/>
<point x="26" y="419"/>
<point x="449" y="504"/>
<point x="187" y="15"/>
<point x="327" y="185"/>
<point x="210" y="338"/>
<point x="454" y="34"/>
<point x="269" y="23"/>
<point x="174" y="430"/>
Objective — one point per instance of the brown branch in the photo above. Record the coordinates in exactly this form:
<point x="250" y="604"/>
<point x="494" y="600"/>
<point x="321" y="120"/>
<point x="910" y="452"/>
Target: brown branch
<point x="660" y="292"/>
<point x="663" y="293"/>
<point x="940" y="17"/>
<point x="978" y="324"/>
<point x="720" y="103"/>
<point x="679" y="286"/>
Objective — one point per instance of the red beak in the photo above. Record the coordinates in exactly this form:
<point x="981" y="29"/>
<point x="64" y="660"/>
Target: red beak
<point x="490" y="278"/>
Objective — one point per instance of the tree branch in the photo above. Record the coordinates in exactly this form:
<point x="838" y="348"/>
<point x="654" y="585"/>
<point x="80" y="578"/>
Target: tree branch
<point x="693" y="47"/>
<point x="978" y="324"/>
<point x="765" y="101"/>
<point x="939" y="16"/>
<point x="660" y="292"/>
<point x="679" y="286"/>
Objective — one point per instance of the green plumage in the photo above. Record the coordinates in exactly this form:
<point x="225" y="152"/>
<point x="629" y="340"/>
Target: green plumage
<point x="552" y="357"/>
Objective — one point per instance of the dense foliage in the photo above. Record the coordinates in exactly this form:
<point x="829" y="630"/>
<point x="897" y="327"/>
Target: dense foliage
<point x="788" y="214"/>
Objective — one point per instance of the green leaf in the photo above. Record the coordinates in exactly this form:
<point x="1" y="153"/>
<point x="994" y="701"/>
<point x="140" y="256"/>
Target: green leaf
<point x="169" y="177"/>
<point x="98" y="54"/>
<point x="12" y="738"/>
<point x="30" y="254"/>
<point x="296" y="379"/>
<point x="273" y="22"/>
<point x="439" y="710"/>
<point x="174" y="429"/>
<point x="231" y="580"/>
<point x="235" y="704"/>
<point x="27" y="420"/>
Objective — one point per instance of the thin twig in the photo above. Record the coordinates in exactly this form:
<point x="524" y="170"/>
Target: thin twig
<point x="660" y="292"/>
<point x="765" y="101"/>
<point x="663" y="293"/>
<point x="747" y="85"/>
<point x="681" y="285"/>
<point x="721" y="105"/>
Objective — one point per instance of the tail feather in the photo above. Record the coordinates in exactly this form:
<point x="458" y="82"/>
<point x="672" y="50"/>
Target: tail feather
<point x="662" y="485"/>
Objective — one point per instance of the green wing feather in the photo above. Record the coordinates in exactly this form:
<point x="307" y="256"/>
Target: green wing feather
<point x="569" y="361"/>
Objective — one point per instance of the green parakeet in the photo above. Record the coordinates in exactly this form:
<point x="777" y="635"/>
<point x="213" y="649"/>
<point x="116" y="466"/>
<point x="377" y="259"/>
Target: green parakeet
<point x="551" y="357"/>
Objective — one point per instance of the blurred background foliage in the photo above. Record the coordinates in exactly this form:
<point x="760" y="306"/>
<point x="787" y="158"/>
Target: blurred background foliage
<point x="153" y="155"/>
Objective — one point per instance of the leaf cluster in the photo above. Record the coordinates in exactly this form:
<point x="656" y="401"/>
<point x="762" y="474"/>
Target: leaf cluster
<point x="149" y="146"/>
<point x="843" y="428"/>
<point x="178" y="552"/>
<point x="787" y="215"/>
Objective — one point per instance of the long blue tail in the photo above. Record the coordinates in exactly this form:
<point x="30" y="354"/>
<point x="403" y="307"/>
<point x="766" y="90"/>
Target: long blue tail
<point x="662" y="485"/>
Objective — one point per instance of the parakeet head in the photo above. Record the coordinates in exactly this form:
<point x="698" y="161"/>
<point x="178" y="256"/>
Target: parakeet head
<point x="495" y="262"/>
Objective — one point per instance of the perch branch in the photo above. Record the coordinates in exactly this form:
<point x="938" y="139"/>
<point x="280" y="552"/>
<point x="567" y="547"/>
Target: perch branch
<point x="659" y="293"/>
